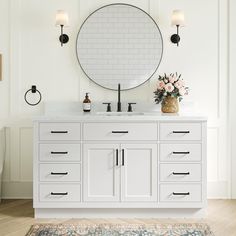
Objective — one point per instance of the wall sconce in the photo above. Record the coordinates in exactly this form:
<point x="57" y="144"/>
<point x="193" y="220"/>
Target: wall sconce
<point x="177" y="20"/>
<point x="62" y="20"/>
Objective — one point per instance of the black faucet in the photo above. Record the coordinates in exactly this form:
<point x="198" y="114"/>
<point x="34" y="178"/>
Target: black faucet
<point x="119" y="103"/>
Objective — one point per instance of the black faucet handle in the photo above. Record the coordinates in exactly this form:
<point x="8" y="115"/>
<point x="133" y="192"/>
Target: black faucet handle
<point x="130" y="109"/>
<point x="108" y="106"/>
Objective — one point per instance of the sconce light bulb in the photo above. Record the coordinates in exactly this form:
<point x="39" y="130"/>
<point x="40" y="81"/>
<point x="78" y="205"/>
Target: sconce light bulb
<point x="177" y="18"/>
<point x="62" y="18"/>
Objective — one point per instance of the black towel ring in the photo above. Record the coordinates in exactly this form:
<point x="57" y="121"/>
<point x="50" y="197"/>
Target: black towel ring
<point x="33" y="90"/>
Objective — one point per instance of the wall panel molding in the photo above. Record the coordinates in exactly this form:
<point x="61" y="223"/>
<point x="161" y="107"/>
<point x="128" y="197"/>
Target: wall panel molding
<point x="217" y="190"/>
<point x="26" y="153"/>
<point x="17" y="190"/>
<point x="14" y="154"/>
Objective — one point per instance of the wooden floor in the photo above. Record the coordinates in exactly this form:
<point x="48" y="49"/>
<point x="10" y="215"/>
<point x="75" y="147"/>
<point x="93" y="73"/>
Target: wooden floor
<point x="16" y="217"/>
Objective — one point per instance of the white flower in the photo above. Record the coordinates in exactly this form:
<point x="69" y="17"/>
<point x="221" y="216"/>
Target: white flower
<point x="182" y="81"/>
<point x="160" y="84"/>
<point x="182" y="91"/>
<point x="166" y="80"/>
<point x="169" y="87"/>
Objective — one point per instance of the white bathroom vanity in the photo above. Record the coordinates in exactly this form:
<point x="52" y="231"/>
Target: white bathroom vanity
<point x="120" y="165"/>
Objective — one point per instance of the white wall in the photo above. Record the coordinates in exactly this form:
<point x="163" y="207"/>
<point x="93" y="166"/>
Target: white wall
<point x="232" y="94"/>
<point x="33" y="55"/>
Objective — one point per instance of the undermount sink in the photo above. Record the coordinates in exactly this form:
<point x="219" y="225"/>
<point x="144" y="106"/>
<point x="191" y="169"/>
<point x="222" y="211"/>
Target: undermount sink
<point x="120" y="113"/>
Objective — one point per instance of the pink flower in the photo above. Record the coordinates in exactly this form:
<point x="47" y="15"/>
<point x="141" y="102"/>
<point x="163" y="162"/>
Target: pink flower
<point x="182" y="81"/>
<point x="169" y="87"/>
<point x="182" y="91"/>
<point x="179" y="84"/>
<point x="160" y="84"/>
<point x="175" y="77"/>
<point x="172" y="79"/>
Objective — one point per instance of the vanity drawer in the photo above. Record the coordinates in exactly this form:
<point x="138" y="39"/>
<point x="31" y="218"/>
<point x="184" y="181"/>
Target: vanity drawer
<point x="180" y="152"/>
<point x="59" y="152"/>
<point x="59" y="131"/>
<point x="180" y="131"/>
<point x="59" y="172"/>
<point x="59" y="193"/>
<point x="120" y="131"/>
<point x="180" y="193"/>
<point x="180" y="172"/>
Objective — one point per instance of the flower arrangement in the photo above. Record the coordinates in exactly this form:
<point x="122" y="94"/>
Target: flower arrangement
<point x="170" y="86"/>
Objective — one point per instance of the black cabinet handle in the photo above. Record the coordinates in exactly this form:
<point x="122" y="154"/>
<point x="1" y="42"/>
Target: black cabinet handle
<point x="181" y="132"/>
<point x="181" y="194"/>
<point x="179" y="173"/>
<point x="123" y="157"/>
<point x="59" y="152"/>
<point x="59" y="132"/>
<point x="120" y="132"/>
<point x="117" y="160"/>
<point x="59" y="194"/>
<point x="59" y="173"/>
<point x="185" y="153"/>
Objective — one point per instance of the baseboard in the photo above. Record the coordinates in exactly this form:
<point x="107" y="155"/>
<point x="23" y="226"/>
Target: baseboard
<point x="119" y="213"/>
<point x="218" y="190"/>
<point x="17" y="190"/>
<point x="24" y="190"/>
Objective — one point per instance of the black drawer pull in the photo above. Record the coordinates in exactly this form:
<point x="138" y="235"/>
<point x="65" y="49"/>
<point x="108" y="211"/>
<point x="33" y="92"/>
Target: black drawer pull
<point x="120" y="132"/>
<point x="59" y="173"/>
<point x="181" y="194"/>
<point x="59" y="194"/>
<point x="123" y="157"/>
<point x="184" y="153"/>
<point x="179" y="173"/>
<point x="181" y="132"/>
<point x="59" y="152"/>
<point x="59" y="132"/>
<point x="117" y="160"/>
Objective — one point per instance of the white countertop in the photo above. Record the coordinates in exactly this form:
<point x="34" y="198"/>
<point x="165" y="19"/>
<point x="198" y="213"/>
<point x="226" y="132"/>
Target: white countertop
<point x="72" y="111"/>
<point x="146" y="116"/>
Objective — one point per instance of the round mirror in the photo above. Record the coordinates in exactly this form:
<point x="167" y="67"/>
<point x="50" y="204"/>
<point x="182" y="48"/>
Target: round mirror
<point x="119" y="44"/>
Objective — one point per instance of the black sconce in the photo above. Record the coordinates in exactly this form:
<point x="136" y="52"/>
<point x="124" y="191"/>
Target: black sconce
<point x="62" y="20"/>
<point x="177" y="20"/>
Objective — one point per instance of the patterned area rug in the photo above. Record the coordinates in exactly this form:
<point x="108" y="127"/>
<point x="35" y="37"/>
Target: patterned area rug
<point x="120" y="230"/>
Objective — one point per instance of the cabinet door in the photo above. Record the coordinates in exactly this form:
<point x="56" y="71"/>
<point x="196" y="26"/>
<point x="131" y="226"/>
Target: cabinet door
<point x="139" y="172"/>
<point x="101" y="172"/>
